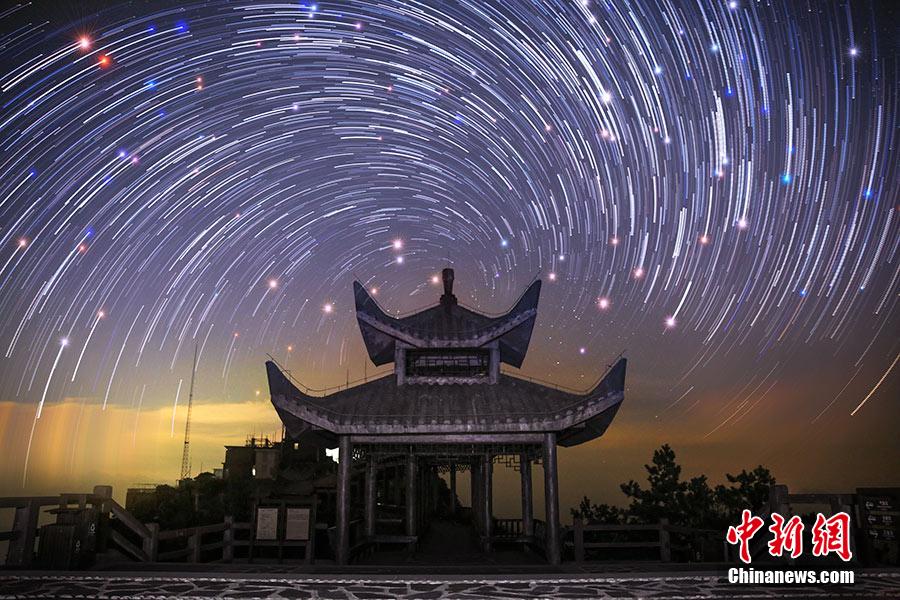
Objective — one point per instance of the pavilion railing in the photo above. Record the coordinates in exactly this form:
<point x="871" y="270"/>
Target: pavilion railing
<point x="310" y="391"/>
<point x="658" y="541"/>
<point x="508" y="529"/>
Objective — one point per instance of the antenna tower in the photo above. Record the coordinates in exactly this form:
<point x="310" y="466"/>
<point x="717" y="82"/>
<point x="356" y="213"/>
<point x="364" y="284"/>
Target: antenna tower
<point x="186" y="454"/>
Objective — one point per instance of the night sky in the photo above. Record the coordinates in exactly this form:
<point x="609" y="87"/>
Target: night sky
<point x="711" y="188"/>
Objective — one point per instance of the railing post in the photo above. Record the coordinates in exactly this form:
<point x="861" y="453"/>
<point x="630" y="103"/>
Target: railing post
<point x="578" y="533"/>
<point x="228" y="539"/>
<point x="194" y="545"/>
<point x="779" y="501"/>
<point x="665" y="545"/>
<point x="150" y="545"/>
<point x="21" y="548"/>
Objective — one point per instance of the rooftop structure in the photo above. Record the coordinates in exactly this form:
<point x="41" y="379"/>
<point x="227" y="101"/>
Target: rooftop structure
<point x="448" y="406"/>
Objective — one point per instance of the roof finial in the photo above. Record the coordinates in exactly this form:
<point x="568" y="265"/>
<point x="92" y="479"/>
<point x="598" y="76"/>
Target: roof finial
<point x="448" y="299"/>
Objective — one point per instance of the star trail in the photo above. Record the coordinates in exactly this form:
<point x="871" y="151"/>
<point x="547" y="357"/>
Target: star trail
<point x="710" y="187"/>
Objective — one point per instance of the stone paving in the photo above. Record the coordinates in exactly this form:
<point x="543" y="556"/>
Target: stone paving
<point x="672" y="586"/>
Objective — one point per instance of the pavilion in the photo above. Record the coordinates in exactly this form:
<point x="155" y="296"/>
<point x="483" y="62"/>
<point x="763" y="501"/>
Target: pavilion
<point x="448" y="407"/>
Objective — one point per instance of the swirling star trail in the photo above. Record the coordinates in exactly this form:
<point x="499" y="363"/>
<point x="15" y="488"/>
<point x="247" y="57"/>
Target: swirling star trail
<point x="710" y="186"/>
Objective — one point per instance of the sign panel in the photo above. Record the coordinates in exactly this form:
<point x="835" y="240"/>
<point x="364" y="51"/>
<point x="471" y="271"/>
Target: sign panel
<point x="266" y="523"/>
<point x="297" y="524"/>
<point x="879" y="513"/>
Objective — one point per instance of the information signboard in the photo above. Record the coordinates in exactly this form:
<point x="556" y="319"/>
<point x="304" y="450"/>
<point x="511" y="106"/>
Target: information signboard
<point x="266" y="523"/>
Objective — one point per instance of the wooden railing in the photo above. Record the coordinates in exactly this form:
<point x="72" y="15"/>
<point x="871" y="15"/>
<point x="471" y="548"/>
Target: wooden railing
<point x="657" y="538"/>
<point x="194" y="544"/>
<point x="508" y="529"/>
<point x="24" y="530"/>
<point x="781" y="501"/>
<point x="119" y="529"/>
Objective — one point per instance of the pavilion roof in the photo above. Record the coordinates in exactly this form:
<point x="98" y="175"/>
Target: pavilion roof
<point x="513" y="405"/>
<point x="447" y="325"/>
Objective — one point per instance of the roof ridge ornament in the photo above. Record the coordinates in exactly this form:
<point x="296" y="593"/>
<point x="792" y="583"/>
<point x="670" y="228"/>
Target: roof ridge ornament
<point x="448" y="300"/>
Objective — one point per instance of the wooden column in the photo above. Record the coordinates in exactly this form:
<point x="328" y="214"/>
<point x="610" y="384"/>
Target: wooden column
<point x="411" y="494"/>
<point x="551" y="499"/>
<point x="345" y="456"/>
<point x="452" y="490"/>
<point x="370" y="497"/>
<point x="475" y="473"/>
<point x="527" y="506"/>
<point x="396" y="482"/>
<point x="488" y="500"/>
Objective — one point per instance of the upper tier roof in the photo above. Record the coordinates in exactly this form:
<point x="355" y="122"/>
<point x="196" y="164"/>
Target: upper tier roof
<point x="447" y="325"/>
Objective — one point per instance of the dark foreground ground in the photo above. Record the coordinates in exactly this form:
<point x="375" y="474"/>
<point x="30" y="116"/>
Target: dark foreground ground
<point x="677" y="585"/>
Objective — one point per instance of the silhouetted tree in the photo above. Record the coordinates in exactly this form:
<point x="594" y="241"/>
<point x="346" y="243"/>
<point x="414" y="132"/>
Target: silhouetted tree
<point x="751" y="491"/>
<point x="691" y="503"/>
<point x="604" y="514"/>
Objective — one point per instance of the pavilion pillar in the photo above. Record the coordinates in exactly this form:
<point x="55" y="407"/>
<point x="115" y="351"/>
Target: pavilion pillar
<point x="487" y="480"/>
<point x="435" y="489"/>
<point x="411" y="500"/>
<point x="527" y="502"/>
<point x="452" y="490"/>
<point x="476" y="493"/>
<point x="371" y="474"/>
<point x="345" y="458"/>
<point x="551" y="499"/>
<point x="397" y="485"/>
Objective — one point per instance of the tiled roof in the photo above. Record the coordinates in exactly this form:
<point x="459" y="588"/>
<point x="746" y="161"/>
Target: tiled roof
<point x="512" y="405"/>
<point x="447" y="325"/>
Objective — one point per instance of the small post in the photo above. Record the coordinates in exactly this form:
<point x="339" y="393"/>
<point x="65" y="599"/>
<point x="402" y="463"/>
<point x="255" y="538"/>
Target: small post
<point x="103" y="494"/>
<point x="665" y="545"/>
<point x="779" y="500"/>
<point x="228" y="540"/>
<point x="194" y="546"/>
<point x="21" y="548"/>
<point x="151" y="544"/>
<point x="578" y="526"/>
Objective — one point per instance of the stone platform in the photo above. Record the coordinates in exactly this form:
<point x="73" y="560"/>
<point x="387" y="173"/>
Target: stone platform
<point x="671" y="586"/>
